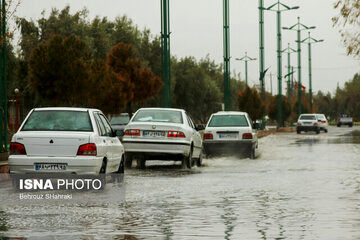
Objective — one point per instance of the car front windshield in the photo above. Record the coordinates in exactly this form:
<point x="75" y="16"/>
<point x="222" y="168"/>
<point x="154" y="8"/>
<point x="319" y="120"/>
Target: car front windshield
<point x="307" y="117"/>
<point x="228" y="121"/>
<point x="119" y="120"/>
<point x="169" y="116"/>
<point x="56" y="120"/>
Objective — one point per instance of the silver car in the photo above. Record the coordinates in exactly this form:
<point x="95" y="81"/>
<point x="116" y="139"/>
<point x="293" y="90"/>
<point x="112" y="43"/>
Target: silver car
<point x="162" y="134"/>
<point x="231" y="133"/>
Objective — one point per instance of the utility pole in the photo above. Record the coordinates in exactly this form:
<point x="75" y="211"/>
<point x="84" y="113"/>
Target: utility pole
<point x="310" y="41"/>
<point x="246" y="59"/>
<point x="262" y="58"/>
<point x="3" y="78"/>
<point x="271" y="84"/>
<point x="289" y="50"/>
<point x="165" y="53"/>
<point x="280" y="8"/>
<point x="300" y="27"/>
<point x="226" y="36"/>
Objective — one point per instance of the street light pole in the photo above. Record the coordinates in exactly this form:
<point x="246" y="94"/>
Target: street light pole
<point x="226" y="36"/>
<point x="289" y="51"/>
<point x="262" y="58"/>
<point x="3" y="78"/>
<point x="300" y="27"/>
<point x="310" y="41"/>
<point x="165" y="53"/>
<point x="279" y="5"/>
<point x="246" y="59"/>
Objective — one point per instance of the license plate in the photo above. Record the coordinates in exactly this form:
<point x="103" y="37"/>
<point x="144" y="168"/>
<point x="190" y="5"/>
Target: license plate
<point x="307" y="123"/>
<point x="227" y="136"/>
<point x="50" y="166"/>
<point x="153" y="134"/>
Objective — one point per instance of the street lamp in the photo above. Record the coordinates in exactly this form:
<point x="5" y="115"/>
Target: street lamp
<point x="246" y="59"/>
<point x="165" y="53"/>
<point x="289" y="50"/>
<point x="226" y="37"/>
<point x="280" y="8"/>
<point x="310" y="41"/>
<point x="300" y="27"/>
<point x="17" y="109"/>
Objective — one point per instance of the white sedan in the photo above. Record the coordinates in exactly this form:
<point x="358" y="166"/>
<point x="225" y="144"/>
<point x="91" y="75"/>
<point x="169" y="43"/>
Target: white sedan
<point x="162" y="134"/>
<point x="66" y="140"/>
<point x="231" y="133"/>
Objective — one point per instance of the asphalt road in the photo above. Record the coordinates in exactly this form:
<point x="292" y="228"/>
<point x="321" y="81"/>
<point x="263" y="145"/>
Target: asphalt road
<point x="301" y="187"/>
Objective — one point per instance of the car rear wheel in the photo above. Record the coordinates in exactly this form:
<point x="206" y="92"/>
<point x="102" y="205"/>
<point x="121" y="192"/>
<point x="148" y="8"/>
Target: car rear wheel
<point x="199" y="160"/>
<point x="325" y="130"/>
<point x="103" y="167"/>
<point x="121" y="166"/>
<point x="350" y="125"/>
<point x="187" y="161"/>
<point x="140" y="162"/>
<point x="298" y="131"/>
<point x="128" y="160"/>
<point x="318" y="131"/>
<point x="252" y="153"/>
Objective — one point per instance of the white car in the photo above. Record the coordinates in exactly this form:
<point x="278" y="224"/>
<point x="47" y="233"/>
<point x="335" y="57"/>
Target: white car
<point x="307" y="123"/>
<point x="162" y="134"/>
<point x="323" y="123"/>
<point x="231" y="133"/>
<point x="66" y="140"/>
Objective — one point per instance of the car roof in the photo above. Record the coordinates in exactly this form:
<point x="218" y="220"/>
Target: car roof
<point x="173" y="109"/>
<point x="230" y="113"/>
<point x="309" y="114"/>
<point x="65" y="109"/>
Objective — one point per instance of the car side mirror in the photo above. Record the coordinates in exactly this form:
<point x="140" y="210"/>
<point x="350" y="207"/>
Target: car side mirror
<point x="200" y="127"/>
<point x="117" y="133"/>
<point x="256" y="126"/>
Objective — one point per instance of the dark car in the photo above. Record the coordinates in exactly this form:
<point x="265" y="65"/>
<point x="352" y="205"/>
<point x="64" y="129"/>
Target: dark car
<point x="118" y="123"/>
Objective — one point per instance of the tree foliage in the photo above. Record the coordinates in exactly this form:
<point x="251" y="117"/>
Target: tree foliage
<point x="349" y="21"/>
<point x="274" y="108"/>
<point x="58" y="71"/>
<point x="250" y="102"/>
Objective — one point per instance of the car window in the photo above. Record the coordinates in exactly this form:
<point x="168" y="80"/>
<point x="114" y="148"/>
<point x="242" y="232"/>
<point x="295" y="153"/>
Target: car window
<point x="120" y="120"/>
<point x="157" y="115"/>
<point x="108" y="131"/>
<point x="58" y="120"/>
<point x="191" y="123"/>
<point x="100" y="124"/>
<point x="322" y="117"/>
<point x="307" y="117"/>
<point x="228" y="121"/>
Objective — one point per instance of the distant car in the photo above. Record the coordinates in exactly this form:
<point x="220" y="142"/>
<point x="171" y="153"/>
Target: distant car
<point x="323" y="123"/>
<point x="345" y="120"/>
<point x="308" y="123"/>
<point x="66" y="140"/>
<point x="162" y="134"/>
<point x="118" y="123"/>
<point x="231" y="133"/>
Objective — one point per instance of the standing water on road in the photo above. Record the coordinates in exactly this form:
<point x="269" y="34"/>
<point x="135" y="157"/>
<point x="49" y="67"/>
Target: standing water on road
<point x="301" y="187"/>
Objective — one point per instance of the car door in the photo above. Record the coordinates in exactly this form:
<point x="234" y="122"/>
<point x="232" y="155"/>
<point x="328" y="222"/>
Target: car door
<point x="115" y="154"/>
<point x="104" y="139"/>
<point x="196" y="137"/>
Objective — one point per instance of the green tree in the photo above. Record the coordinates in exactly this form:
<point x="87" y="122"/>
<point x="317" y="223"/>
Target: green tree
<point x="250" y="102"/>
<point x="58" y="72"/>
<point x="274" y="108"/>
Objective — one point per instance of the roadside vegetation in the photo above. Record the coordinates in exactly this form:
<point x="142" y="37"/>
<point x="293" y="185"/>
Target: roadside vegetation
<point x="67" y="59"/>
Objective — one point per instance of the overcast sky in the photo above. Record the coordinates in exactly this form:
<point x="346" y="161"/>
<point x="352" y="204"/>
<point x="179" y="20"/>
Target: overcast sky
<point x="196" y="27"/>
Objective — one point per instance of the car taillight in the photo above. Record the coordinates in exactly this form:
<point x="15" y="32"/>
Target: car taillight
<point x="323" y="121"/>
<point x="17" y="149"/>
<point x="247" y="136"/>
<point x="175" y="134"/>
<point x="132" y="132"/>
<point x="315" y="123"/>
<point x="88" y="149"/>
<point x="299" y="123"/>
<point x="208" y="136"/>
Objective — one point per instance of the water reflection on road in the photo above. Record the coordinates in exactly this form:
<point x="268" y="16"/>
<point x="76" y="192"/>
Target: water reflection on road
<point x="301" y="187"/>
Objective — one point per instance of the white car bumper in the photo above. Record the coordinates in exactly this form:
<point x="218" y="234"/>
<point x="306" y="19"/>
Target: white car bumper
<point x="79" y="165"/>
<point x="160" y="147"/>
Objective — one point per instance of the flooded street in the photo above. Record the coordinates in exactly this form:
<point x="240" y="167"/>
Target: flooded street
<point x="301" y="187"/>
